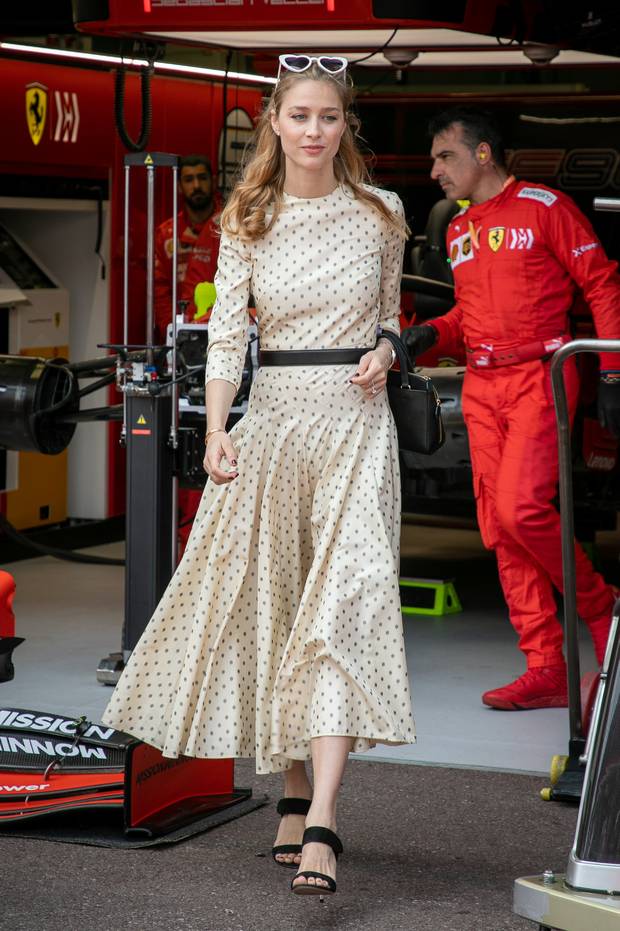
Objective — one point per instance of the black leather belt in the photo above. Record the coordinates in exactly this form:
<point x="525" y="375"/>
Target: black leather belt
<point x="310" y="356"/>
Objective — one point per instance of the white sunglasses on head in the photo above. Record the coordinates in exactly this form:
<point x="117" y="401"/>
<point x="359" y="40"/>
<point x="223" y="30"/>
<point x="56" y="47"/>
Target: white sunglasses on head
<point x="331" y="64"/>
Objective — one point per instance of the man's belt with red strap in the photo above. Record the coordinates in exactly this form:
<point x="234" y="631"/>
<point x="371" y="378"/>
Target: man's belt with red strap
<point x="485" y="356"/>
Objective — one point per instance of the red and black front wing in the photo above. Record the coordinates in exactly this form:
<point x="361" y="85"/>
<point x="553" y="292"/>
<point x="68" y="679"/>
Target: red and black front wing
<point x="50" y="764"/>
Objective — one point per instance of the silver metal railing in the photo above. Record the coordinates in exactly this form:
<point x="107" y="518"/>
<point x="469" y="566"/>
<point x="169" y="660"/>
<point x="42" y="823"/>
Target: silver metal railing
<point x="567" y="517"/>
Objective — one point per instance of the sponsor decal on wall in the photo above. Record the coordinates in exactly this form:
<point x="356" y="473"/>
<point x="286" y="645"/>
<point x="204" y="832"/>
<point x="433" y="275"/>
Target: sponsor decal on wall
<point x="67" y="116"/>
<point x="36" y="110"/>
<point x="154" y="4"/>
<point x="64" y="113"/>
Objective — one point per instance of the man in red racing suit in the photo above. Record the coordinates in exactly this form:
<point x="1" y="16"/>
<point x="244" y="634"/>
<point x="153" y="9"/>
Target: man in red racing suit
<point x="518" y="252"/>
<point x="197" y="244"/>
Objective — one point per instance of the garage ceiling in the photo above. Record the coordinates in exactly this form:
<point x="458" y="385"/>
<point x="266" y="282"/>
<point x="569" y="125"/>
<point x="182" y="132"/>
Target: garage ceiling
<point x="435" y="47"/>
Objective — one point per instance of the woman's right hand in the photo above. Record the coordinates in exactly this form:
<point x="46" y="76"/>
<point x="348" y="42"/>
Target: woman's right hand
<point x="219" y="445"/>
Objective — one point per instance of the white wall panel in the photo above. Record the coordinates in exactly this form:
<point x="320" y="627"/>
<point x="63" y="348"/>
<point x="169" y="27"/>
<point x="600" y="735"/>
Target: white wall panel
<point x="63" y="234"/>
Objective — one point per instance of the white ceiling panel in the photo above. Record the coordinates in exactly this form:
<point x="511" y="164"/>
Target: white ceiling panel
<point x="442" y="48"/>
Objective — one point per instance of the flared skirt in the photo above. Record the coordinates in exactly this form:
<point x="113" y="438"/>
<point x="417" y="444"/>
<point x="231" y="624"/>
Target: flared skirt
<point x="282" y="621"/>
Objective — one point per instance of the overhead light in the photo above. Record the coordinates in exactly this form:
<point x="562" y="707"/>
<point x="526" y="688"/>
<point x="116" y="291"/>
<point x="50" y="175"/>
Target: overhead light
<point x="401" y="57"/>
<point x="539" y="54"/>
<point x="161" y="66"/>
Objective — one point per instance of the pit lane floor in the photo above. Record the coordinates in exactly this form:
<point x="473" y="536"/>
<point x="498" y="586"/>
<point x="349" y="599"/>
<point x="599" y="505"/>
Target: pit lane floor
<point x="432" y="847"/>
<point x="425" y="849"/>
<point x="71" y="617"/>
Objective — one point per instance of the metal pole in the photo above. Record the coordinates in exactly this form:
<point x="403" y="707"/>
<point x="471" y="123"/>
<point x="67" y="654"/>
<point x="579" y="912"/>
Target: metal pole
<point x="150" y="259"/>
<point x="568" y="521"/>
<point x="150" y="459"/>
<point x="175" y="262"/>
<point x="174" y="436"/>
<point x="610" y="204"/>
<point x="174" y="538"/>
<point x="123" y="437"/>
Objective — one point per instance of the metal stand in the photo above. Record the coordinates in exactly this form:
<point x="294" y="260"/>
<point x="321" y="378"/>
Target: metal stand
<point x="150" y="560"/>
<point x="431" y="597"/>
<point x="569" y="784"/>
<point x="159" y="444"/>
<point x="552" y="899"/>
<point x="150" y="432"/>
<point x="587" y="897"/>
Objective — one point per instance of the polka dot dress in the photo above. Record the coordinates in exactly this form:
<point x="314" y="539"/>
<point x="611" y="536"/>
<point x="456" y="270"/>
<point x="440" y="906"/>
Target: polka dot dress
<point x="282" y="622"/>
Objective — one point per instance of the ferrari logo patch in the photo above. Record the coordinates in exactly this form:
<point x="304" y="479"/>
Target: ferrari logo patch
<point x="496" y="237"/>
<point x="36" y="110"/>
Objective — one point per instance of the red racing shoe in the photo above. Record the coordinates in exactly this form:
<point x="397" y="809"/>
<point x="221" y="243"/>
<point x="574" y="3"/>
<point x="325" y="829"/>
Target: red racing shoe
<point x="539" y="687"/>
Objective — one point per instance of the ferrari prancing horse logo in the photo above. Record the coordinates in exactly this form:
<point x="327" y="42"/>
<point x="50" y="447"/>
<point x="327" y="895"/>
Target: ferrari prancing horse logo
<point x="36" y="110"/>
<point x="496" y="237"/>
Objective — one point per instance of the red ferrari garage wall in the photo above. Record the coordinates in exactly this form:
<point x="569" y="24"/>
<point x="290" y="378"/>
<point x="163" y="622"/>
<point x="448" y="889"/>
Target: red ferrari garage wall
<point x="59" y="122"/>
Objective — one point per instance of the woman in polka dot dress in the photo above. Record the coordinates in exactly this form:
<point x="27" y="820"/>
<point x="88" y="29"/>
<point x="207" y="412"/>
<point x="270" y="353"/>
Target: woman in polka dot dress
<point x="280" y="635"/>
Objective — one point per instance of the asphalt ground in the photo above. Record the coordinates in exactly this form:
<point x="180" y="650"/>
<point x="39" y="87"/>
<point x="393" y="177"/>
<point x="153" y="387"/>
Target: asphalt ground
<point x="426" y="849"/>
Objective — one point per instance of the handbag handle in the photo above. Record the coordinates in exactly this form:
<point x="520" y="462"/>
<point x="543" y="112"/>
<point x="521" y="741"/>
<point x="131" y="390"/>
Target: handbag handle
<point x="406" y="368"/>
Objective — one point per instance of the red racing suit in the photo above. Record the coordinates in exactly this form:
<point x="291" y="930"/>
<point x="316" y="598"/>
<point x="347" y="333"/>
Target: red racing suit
<point x="198" y="246"/>
<point x="518" y="260"/>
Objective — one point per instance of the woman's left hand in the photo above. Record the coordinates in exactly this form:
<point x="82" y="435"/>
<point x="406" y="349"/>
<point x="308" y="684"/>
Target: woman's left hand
<point x="371" y="375"/>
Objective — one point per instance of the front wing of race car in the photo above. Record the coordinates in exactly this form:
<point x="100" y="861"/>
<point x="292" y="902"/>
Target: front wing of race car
<point x="51" y="763"/>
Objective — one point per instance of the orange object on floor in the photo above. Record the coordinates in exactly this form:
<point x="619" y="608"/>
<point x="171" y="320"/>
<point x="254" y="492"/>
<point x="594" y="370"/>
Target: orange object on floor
<point x="8" y="640"/>
<point x="7" y="593"/>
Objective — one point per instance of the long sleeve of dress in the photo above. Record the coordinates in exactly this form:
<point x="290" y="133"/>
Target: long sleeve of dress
<point x="391" y="271"/>
<point x="229" y="319"/>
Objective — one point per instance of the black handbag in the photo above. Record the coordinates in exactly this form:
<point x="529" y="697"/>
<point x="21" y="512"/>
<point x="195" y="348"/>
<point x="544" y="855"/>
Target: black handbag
<point x="415" y="404"/>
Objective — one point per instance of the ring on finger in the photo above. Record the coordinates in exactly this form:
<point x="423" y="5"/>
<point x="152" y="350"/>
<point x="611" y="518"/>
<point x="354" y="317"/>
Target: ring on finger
<point x="373" y="388"/>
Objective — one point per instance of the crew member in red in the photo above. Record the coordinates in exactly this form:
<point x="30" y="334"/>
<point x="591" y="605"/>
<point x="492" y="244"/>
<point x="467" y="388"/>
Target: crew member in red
<point x="198" y="244"/>
<point x="518" y="253"/>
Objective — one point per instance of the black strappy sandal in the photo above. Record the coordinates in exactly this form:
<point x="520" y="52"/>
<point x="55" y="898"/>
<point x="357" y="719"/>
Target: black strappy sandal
<point x="318" y="835"/>
<point x="290" y="806"/>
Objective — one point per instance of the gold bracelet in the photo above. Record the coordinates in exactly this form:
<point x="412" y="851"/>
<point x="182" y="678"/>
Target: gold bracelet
<point x="216" y="430"/>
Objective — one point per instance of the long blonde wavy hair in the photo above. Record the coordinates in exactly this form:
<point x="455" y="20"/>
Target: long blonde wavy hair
<point x="259" y="190"/>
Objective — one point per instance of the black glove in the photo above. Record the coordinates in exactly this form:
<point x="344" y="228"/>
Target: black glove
<point x="418" y="339"/>
<point x="609" y="403"/>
